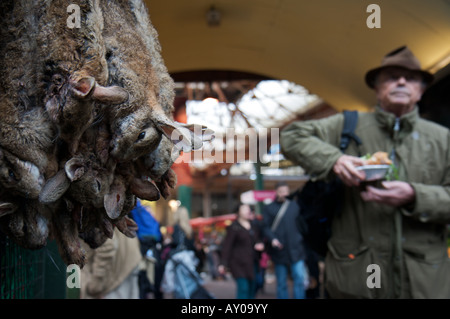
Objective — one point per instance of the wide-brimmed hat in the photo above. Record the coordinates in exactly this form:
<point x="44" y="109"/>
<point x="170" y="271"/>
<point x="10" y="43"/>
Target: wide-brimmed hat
<point x="402" y="58"/>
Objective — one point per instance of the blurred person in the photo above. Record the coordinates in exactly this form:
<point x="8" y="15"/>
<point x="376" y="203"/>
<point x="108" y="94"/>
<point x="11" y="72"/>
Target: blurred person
<point x="262" y="256"/>
<point x="181" y="277"/>
<point x="240" y="249"/>
<point x="263" y="264"/>
<point x="150" y="239"/>
<point x="201" y="254"/>
<point x="212" y="251"/>
<point x="398" y="227"/>
<point x="281" y="222"/>
<point x="148" y="232"/>
<point x="111" y="270"/>
<point x="183" y="234"/>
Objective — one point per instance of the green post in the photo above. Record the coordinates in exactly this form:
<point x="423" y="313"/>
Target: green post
<point x="259" y="184"/>
<point x="185" y="197"/>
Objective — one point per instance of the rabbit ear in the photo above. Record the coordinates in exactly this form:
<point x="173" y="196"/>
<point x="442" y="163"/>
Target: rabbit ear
<point x="145" y="189"/>
<point x="110" y="94"/>
<point x="83" y="87"/>
<point x="74" y="168"/>
<point x="186" y="137"/>
<point x="127" y="226"/>
<point x="54" y="188"/>
<point x="199" y="134"/>
<point x="113" y="201"/>
<point x="7" y="208"/>
<point x="168" y="180"/>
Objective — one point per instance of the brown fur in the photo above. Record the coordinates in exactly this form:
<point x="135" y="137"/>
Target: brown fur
<point x="85" y="177"/>
<point x="75" y="68"/>
<point x="134" y="131"/>
<point x="26" y="134"/>
<point x="65" y="218"/>
<point x="29" y="225"/>
<point x="149" y="36"/>
<point x="89" y="114"/>
<point x="127" y="226"/>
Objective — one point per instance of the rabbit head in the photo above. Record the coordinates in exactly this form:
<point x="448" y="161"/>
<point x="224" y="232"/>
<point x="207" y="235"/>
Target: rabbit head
<point x="134" y="135"/>
<point x="18" y="176"/>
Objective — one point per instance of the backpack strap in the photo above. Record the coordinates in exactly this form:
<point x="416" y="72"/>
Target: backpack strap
<point x="280" y="214"/>
<point x="348" y="131"/>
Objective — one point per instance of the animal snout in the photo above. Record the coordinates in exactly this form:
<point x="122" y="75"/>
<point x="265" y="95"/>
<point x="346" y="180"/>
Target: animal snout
<point x="35" y="173"/>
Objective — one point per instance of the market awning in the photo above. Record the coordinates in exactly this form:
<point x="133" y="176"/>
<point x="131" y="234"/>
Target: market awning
<point x="199" y="222"/>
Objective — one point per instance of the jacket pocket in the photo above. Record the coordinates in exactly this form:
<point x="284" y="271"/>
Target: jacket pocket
<point x="428" y="278"/>
<point x="346" y="274"/>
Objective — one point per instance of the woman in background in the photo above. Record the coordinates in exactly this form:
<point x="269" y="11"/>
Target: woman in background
<point x="183" y="235"/>
<point x="240" y="252"/>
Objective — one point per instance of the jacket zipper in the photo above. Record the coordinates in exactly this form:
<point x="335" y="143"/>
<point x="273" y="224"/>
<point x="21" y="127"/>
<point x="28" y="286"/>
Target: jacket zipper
<point x="395" y="137"/>
<point x="398" y="255"/>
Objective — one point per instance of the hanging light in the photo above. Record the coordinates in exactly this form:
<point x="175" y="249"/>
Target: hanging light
<point x="213" y="16"/>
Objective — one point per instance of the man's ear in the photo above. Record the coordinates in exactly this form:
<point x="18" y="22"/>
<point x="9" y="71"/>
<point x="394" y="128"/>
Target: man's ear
<point x="423" y="88"/>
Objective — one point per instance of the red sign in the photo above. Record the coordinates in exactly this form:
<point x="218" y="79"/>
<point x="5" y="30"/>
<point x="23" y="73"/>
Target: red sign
<point x="262" y="195"/>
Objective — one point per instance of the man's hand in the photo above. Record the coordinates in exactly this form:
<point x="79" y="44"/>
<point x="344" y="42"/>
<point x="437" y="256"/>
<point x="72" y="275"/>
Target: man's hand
<point x="345" y="169"/>
<point x="276" y="244"/>
<point x="395" y="193"/>
<point x="221" y="269"/>
<point x="259" y="246"/>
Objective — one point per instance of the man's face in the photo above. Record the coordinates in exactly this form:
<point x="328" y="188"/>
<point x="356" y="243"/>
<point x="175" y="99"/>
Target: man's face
<point x="398" y="89"/>
<point x="282" y="192"/>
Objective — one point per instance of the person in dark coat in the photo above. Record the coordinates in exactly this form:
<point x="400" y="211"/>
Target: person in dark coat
<point x="286" y="247"/>
<point x="240" y="252"/>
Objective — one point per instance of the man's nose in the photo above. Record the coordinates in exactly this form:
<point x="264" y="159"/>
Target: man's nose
<point x="401" y="80"/>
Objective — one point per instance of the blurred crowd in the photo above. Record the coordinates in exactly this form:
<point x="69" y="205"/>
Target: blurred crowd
<point x="175" y="263"/>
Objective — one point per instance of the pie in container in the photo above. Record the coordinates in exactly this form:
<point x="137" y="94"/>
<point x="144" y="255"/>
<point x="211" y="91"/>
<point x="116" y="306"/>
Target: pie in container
<point x="376" y="166"/>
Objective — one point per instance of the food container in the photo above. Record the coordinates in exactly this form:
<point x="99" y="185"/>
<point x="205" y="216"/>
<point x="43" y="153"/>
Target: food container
<point x="374" y="172"/>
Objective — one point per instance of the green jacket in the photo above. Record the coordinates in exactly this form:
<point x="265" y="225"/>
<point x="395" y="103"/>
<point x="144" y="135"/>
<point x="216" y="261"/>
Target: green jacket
<point x="409" y="246"/>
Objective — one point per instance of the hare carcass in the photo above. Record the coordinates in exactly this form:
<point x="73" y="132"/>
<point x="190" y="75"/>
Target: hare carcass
<point x="74" y="67"/>
<point x="134" y="62"/>
<point x="26" y="134"/>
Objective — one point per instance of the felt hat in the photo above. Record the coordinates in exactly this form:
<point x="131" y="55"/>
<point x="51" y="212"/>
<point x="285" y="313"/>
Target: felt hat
<point x="402" y="58"/>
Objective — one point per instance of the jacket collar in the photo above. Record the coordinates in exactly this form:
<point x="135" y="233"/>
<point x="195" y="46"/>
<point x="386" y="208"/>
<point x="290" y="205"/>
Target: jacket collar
<point x="406" y="122"/>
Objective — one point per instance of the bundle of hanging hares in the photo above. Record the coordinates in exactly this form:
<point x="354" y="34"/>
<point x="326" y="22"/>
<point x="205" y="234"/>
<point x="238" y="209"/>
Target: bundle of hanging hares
<point x="85" y="121"/>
